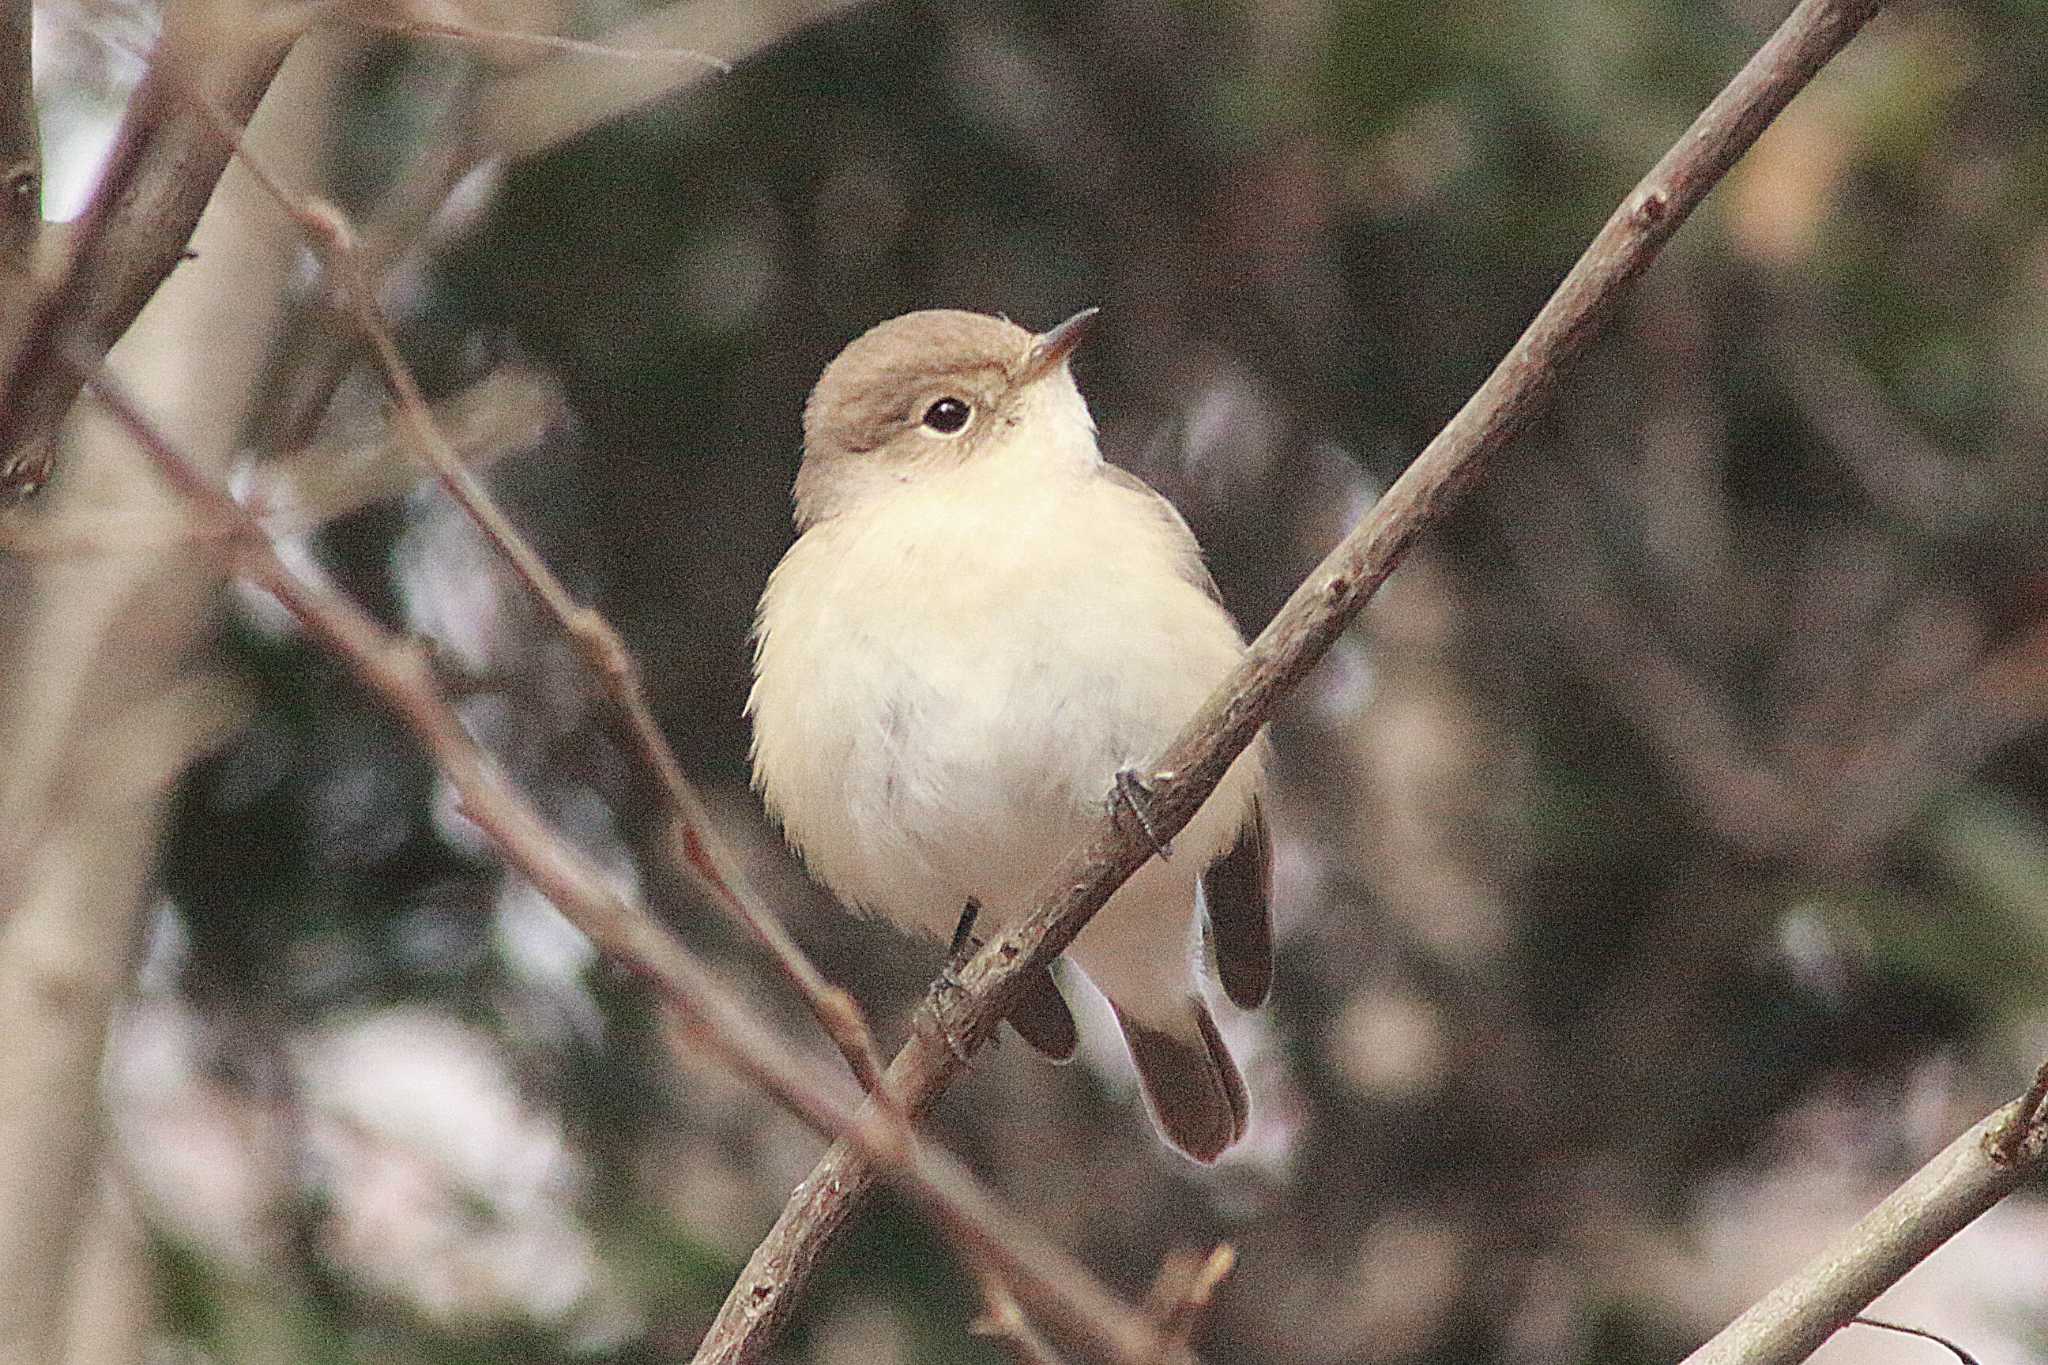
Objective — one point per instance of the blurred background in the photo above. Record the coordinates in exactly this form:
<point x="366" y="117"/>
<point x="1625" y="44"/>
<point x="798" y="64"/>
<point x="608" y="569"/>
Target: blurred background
<point x="1662" y="862"/>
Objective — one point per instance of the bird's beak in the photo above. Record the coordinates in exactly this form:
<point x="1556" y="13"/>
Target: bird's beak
<point x="1051" y="349"/>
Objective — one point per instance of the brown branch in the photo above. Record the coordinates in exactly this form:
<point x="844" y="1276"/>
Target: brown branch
<point x="159" y="177"/>
<point x="1940" y="1199"/>
<point x="1306" y="626"/>
<point x="704" y="1009"/>
<point x="21" y="156"/>
<point x="1186" y="1283"/>
<point x="529" y="111"/>
<point x="1003" y="1322"/>
<point x="320" y="352"/>
<point x="509" y="409"/>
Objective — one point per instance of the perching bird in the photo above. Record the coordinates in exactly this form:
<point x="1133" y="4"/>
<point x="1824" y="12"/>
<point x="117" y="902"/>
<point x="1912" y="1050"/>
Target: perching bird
<point x="980" y="626"/>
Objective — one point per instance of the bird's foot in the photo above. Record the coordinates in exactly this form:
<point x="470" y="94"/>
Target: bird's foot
<point x="1136" y="796"/>
<point x="947" y="983"/>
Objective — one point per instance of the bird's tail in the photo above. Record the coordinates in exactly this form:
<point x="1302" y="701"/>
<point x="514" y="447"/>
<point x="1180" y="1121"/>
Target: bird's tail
<point x="1194" y="1089"/>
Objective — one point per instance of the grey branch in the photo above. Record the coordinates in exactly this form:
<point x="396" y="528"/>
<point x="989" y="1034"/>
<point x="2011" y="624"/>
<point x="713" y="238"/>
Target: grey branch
<point x="1971" y="1174"/>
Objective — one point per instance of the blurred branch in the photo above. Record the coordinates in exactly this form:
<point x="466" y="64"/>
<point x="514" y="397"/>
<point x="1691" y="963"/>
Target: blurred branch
<point x="1186" y="1283"/>
<point x="705" y="1009"/>
<point x="160" y="175"/>
<point x="1317" y="613"/>
<point x="21" y="157"/>
<point x="1974" y="1172"/>
<point x="507" y="39"/>
<point x="1896" y="466"/>
<point x="1004" y="1323"/>
<point x="509" y="409"/>
<point x="530" y="111"/>
<point x="1690" y="724"/>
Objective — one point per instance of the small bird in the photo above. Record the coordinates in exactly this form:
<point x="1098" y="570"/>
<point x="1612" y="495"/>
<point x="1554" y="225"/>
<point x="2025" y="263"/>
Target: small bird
<point x="981" y="632"/>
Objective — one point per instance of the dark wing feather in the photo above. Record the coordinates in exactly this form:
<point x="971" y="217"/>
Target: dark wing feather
<point x="1238" y="890"/>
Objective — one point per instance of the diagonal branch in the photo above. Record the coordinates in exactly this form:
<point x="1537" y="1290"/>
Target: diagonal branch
<point x="162" y="172"/>
<point x="1318" y="612"/>
<point x="703" y="1009"/>
<point x="1971" y="1174"/>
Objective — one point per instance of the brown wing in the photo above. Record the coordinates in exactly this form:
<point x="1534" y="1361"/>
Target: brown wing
<point x="1238" y="890"/>
<point x="1196" y="572"/>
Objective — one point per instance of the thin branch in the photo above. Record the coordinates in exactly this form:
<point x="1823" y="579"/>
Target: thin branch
<point x="702" y="1008"/>
<point x="1958" y="1352"/>
<point x="538" y="42"/>
<point x="526" y="112"/>
<point x="319" y="353"/>
<point x="1940" y="1199"/>
<point x="1004" y="1323"/>
<point x="508" y="410"/>
<point x="1318" y="612"/>
<point x="21" y="157"/>
<point x="159" y="177"/>
<point x="1186" y="1283"/>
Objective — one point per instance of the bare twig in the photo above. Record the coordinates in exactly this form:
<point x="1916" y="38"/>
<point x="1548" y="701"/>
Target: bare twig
<point x="704" y="1009"/>
<point x="21" y="157"/>
<point x="134" y="230"/>
<point x="1306" y="626"/>
<point x="320" y="353"/>
<point x="1940" y="1199"/>
<point x="1958" y="1352"/>
<point x="507" y="410"/>
<point x="1003" y="1322"/>
<point x="1186" y="1283"/>
<point x="534" y="42"/>
<point x="551" y="102"/>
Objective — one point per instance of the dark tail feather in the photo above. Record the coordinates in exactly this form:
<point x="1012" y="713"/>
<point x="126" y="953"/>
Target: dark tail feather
<point x="1190" y="1082"/>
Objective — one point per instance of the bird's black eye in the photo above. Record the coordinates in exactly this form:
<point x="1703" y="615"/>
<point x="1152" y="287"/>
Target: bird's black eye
<point x="947" y="416"/>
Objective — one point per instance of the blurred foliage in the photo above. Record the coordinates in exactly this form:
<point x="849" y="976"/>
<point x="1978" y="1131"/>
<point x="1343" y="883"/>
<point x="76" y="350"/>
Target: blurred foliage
<point x="1692" y="778"/>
